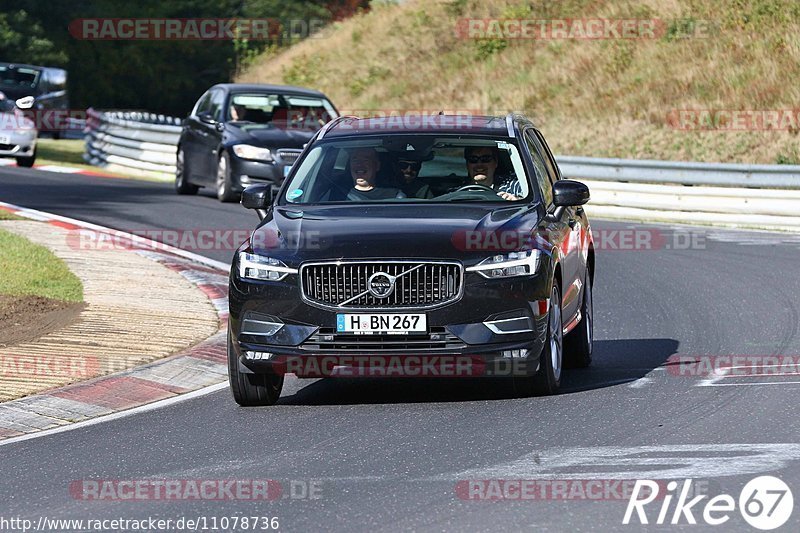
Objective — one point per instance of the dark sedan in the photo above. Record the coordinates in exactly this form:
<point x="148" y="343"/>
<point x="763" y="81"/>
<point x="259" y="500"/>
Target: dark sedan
<point x="489" y="272"/>
<point x="241" y="134"/>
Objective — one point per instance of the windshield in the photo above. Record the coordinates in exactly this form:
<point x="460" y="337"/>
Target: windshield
<point x="260" y="110"/>
<point x="421" y="168"/>
<point x="21" y="77"/>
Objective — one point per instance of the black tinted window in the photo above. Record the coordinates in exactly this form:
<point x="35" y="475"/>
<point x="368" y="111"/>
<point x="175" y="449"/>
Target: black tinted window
<point x="545" y="183"/>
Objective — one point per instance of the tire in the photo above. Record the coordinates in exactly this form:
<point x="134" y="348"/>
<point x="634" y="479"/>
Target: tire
<point x="26" y="162"/>
<point x="578" y="344"/>
<point x="182" y="185"/>
<point x="225" y="191"/>
<point x="251" y="389"/>
<point x="547" y="380"/>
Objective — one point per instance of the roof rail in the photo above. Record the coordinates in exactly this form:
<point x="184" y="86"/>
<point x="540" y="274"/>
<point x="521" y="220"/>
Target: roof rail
<point x="331" y="124"/>
<point x="510" y="124"/>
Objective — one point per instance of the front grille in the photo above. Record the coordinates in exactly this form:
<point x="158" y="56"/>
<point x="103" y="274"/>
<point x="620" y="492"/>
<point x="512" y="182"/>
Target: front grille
<point x="416" y="284"/>
<point x="288" y="157"/>
<point x="438" y="339"/>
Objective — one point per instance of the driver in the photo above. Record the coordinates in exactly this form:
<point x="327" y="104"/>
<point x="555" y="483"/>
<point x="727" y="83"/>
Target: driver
<point x="482" y="170"/>
<point x="364" y="166"/>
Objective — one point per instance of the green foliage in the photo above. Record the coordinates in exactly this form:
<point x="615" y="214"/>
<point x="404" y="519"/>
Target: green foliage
<point x="357" y="86"/>
<point x="303" y="71"/>
<point x="23" y="40"/>
<point x="485" y="48"/>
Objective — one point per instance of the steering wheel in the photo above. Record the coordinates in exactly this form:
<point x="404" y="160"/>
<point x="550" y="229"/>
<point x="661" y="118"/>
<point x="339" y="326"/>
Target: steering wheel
<point x="474" y="187"/>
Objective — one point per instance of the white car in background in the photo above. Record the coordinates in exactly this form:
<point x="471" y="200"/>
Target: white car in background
<point x="18" y="133"/>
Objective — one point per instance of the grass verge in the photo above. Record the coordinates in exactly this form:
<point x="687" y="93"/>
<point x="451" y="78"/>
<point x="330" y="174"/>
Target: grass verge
<point x="30" y="269"/>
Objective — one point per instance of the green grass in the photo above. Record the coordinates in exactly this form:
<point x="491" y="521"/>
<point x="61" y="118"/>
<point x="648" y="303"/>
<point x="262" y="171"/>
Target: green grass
<point x="61" y="152"/>
<point x="5" y="215"/>
<point x="30" y="269"/>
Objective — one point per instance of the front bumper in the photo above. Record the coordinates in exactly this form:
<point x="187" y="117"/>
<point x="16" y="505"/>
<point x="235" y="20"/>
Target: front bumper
<point x="248" y="172"/>
<point x="496" y="326"/>
<point x="18" y="145"/>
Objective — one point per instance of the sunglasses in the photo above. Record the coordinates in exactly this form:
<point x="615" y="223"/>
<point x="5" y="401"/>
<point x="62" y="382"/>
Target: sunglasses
<point x="480" y="159"/>
<point x="406" y="164"/>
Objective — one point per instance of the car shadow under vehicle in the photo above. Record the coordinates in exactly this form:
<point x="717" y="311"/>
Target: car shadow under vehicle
<point x="614" y="362"/>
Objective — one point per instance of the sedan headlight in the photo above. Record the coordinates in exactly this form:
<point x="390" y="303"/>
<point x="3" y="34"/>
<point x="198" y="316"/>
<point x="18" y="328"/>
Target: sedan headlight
<point x="259" y="267"/>
<point x="509" y="265"/>
<point x="247" y="151"/>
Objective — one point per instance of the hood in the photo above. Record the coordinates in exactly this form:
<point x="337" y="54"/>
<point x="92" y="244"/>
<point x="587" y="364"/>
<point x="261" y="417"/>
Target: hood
<point x="258" y="135"/>
<point x="458" y="231"/>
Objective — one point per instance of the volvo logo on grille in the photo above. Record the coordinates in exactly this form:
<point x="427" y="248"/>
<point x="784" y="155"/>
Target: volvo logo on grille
<point x="380" y="284"/>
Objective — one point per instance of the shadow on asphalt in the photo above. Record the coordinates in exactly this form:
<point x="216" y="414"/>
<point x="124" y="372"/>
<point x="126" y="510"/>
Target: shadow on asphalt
<point x="614" y="362"/>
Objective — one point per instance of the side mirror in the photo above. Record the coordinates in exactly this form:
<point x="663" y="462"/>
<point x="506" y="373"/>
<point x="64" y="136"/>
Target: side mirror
<point x="206" y="118"/>
<point x="258" y="197"/>
<point x="25" y="103"/>
<point x="568" y="193"/>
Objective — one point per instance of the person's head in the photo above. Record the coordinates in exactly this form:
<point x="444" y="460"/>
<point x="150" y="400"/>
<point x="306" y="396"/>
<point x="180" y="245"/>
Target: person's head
<point x="364" y="166"/>
<point x="407" y="169"/>
<point x="481" y="164"/>
<point x="237" y="112"/>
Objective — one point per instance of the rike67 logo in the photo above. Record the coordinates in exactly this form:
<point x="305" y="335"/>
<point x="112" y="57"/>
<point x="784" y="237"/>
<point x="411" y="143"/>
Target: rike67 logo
<point x="765" y="503"/>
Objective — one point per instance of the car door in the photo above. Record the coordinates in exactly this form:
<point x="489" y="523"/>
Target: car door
<point x="192" y="138"/>
<point x="209" y="138"/>
<point x="561" y="232"/>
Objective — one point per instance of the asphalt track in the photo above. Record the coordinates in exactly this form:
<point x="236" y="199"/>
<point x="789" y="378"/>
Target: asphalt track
<point x="387" y="455"/>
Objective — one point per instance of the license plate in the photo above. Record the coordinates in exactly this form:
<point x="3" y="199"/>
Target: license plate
<point x="286" y="170"/>
<point x="369" y="324"/>
<point x="4" y="139"/>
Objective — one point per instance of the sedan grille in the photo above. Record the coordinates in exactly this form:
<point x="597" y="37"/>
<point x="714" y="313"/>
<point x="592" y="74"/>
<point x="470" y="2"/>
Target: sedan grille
<point x="381" y="284"/>
<point x="328" y="340"/>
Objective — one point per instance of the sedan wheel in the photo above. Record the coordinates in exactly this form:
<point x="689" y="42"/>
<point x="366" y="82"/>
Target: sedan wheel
<point x="548" y="379"/>
<point x="579" y="343"/>
<point x="225" y="191"/>
<point x="182" y="185"/>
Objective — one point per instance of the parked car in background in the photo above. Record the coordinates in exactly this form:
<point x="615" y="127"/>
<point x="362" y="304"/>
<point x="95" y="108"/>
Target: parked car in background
<point x="18" y="133"/>
<point x="242" y="134"/>
<point x="47" y="86"/>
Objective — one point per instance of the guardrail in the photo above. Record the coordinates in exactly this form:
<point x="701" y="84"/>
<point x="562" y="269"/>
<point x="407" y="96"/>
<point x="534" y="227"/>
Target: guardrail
<point x="132" y="142"/>
<point x="746" y="196"/>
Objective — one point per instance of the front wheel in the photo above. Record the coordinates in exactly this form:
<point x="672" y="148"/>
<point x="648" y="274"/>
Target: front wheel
<point x="26" y="162"/>
<point x="252" y="389"/>
<point x="548" y="379"/>
<point x="579" y="342"/>
<point x="225" y="191"/>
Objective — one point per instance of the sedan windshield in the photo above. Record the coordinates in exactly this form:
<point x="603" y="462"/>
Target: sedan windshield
<point x="421" y="168"/>
<point x="260" y="110"/>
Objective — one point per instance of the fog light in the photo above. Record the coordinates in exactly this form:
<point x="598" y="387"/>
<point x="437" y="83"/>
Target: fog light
<point x="516" y="354"/>
<point x="257" y="356"/>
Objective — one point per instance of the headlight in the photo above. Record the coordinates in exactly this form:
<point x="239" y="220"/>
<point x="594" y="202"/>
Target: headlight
<point x="246" y="151"/>
<point x="252" y="266"/>
<point x="508" y="265"/>
<point x="25" y="132"/>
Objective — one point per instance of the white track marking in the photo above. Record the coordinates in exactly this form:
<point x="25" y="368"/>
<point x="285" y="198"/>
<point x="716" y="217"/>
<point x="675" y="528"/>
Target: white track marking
<point x="667" y="461"/>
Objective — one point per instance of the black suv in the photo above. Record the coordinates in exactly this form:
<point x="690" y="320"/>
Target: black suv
<point x="434" y="245"/>
<point x="240" y="134"/>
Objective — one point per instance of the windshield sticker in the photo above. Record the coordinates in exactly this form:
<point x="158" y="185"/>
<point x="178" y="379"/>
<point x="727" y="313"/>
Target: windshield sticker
<point x="502" y="145"/>
<point x="295" y="194"/>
